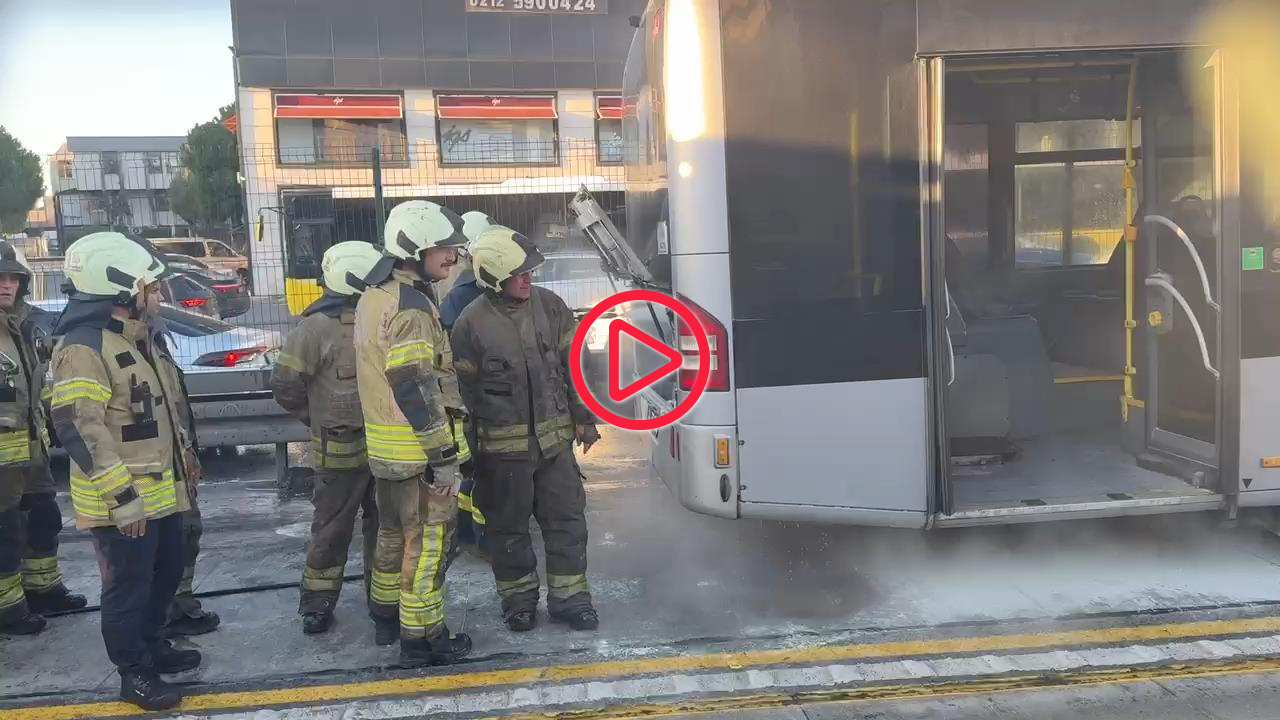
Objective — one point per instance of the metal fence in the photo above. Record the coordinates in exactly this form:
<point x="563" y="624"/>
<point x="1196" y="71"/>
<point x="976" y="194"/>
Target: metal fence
<point x="252" y="262"/>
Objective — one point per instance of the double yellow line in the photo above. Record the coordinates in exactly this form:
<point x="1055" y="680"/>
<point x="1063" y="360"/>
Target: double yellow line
<point x="609" y="670"/>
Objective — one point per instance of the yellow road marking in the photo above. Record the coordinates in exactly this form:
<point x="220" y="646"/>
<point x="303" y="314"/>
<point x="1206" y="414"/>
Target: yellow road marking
<point x="688" y="663"/>
<point x="907" y="691"/>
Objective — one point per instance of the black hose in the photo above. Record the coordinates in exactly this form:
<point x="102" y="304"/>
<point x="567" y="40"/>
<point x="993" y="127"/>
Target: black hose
<point x="210" y="594"/>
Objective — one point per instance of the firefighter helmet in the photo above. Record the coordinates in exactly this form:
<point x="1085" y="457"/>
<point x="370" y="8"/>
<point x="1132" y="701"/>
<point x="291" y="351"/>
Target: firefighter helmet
<point x="500" y="253"/>
<point x="417" y="226"/>
<point x="346" y="266"/>
<point x="110" y="264"/>
<point x="13" y="261"/>
<point x="474" y="223"/>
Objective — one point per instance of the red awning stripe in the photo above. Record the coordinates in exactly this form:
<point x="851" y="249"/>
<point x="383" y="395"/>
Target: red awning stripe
<point x="609" y="107"/>
<point x="339" y="106"/>
<point x="497" y="107"/>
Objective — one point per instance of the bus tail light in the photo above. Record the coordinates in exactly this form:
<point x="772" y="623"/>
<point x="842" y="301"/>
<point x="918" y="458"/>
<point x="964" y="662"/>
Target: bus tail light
<point x="717" y="343"/>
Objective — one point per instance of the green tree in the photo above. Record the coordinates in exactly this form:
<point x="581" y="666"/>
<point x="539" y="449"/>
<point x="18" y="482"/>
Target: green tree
<point x="206" y="192"/>
<point x="21" y="182"/>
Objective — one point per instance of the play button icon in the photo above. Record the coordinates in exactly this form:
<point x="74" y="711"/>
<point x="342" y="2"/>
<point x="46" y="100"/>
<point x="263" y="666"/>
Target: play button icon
<point x="672" y="360"/>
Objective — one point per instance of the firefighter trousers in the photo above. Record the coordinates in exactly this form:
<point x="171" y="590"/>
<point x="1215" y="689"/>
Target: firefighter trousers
<point x="415" y="532"/>
<point x="184" y="602"/>
<point x="337" y="498"/>
<point x="41" y="523"/>
<point x="139" y="577"/>
<point x="13" y="600"/>
<point x="510" y="490"/>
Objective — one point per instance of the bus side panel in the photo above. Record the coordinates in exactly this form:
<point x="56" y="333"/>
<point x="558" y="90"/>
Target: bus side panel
<point x="822" y="165"/>
<point x="852" y="445"/>
<point x="960" y="26"/>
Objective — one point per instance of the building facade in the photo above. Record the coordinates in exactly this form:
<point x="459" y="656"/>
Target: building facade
<point x="506" y="106"/>
<point x="120" y="181"/>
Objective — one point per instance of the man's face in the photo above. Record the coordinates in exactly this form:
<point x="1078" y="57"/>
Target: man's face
<point x="9" y="283"/>
<point x="148" y="301"/>
<point x="437" y="262"/>
<point x="518" y="287"/>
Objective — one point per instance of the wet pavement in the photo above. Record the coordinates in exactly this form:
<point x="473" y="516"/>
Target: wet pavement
<point x="667" y="582"/>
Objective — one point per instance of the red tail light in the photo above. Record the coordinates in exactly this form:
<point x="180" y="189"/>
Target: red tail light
<point x="717" y="343"/>
<point x="227" y="287"/>
<point x="228" y="358"/>
<point x="194" y="302"/>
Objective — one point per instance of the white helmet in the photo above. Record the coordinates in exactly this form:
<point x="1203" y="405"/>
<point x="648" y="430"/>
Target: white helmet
<point x="109" y="264"/>
<point x="474" y="223"/>
<point x="346" y="266"/>
<point x="416" y="226"/>
<point x="500" y="253"/>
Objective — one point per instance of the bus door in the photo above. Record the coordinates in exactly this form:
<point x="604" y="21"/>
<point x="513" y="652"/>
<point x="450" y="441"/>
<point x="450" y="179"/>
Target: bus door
<point x="1188" y="230"/>
<point x="309" y="231"/>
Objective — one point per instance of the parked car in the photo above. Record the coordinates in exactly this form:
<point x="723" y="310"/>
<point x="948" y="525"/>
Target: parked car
<point x="214" y="253"/>
<point x="229" y="296"/>
<point x="199" y="342"/>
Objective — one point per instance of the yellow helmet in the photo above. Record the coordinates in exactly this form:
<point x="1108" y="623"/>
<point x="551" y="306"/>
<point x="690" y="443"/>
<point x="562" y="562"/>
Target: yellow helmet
<point x="474" y="223"/>
<point x="416" y="226"/>
<point x="346" y="266"/>
<point x="109" y="264"/>
<point x="500" y="253"/>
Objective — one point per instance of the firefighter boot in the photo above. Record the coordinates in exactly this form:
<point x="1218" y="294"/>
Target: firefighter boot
<point x="57" y="599"/>
<point x="148" y="691"/>
<point x="27" y="623"/>
<point x="199" y="623"/>
<point x="169" y="659"/>
<point x="316" y="623"/>
<point x="580" y="619"/>
<point x="521" y="621"/>
<point x="386" y="632"/>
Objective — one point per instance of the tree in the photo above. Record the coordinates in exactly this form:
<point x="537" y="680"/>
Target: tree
<point x="206" y="192"/>
<point x="21" y="182"/>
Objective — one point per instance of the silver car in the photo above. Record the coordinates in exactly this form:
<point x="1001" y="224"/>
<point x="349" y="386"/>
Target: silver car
<point x="199" y="343"/>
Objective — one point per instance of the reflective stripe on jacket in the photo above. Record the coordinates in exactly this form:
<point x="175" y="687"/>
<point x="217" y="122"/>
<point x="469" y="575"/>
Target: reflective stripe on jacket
<point x="404" y="369"/>
<point x="512" y="360"/>
<point x="120" y="411"/>
<point x="315" y="380"/>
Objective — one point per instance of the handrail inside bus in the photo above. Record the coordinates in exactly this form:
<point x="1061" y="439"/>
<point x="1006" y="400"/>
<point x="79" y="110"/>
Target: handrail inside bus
<point x="1195" y="255"/>
<point x="1195" y="323"/>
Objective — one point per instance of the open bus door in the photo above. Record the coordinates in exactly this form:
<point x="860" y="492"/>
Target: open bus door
<point x="1156" y="432"/>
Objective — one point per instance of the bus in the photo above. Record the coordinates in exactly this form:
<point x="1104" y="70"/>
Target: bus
<point x="960" y="262"/>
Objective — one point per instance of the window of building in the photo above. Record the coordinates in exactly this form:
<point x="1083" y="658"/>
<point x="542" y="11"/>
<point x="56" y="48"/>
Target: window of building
<point x="609" y="147"/>
<point x="159" y="199"/>
<point x="64" y="169"/>
<point x="155" y="163"/>
<point x="1068" y="191"/>
<point x="497" y="129"/>
<point x="111" y="163"/>
<point x="339" y="129"/>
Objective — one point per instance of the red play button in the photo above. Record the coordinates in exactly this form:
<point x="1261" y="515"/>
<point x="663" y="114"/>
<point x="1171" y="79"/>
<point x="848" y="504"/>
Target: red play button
<point x="673" y="363"/>
<point x="674" y="360"/>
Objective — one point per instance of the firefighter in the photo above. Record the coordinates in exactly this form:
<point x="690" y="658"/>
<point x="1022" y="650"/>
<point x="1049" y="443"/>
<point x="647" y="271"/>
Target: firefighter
<point x="315" y="380"/>
<point x="117" y="410"/>
<point x="470" y="519"/>
<point x="511" y="352"/>
<point x="414" y="431"/>
<point x="30" y="581"/>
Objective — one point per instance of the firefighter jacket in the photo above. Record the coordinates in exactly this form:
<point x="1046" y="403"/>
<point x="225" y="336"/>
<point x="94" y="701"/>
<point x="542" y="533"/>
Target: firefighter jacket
<point x="24" y="438"/>
<point x="315" y="380"/>
<point x="413" y="415"/>
<point x="120" y="410"/>
<point x="512" y="360"/>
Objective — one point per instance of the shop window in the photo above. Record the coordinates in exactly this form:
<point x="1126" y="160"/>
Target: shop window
<point x="609" y="146"/>
<point x="497" y="129"/>
<point x="339" y="129"/>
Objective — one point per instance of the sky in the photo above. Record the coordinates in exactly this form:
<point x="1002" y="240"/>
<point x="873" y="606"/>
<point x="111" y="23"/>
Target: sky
<point x="115" y="67"/>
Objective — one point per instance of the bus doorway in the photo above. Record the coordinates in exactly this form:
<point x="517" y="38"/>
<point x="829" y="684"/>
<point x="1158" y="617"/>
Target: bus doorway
<point x="1079" y="236"/>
